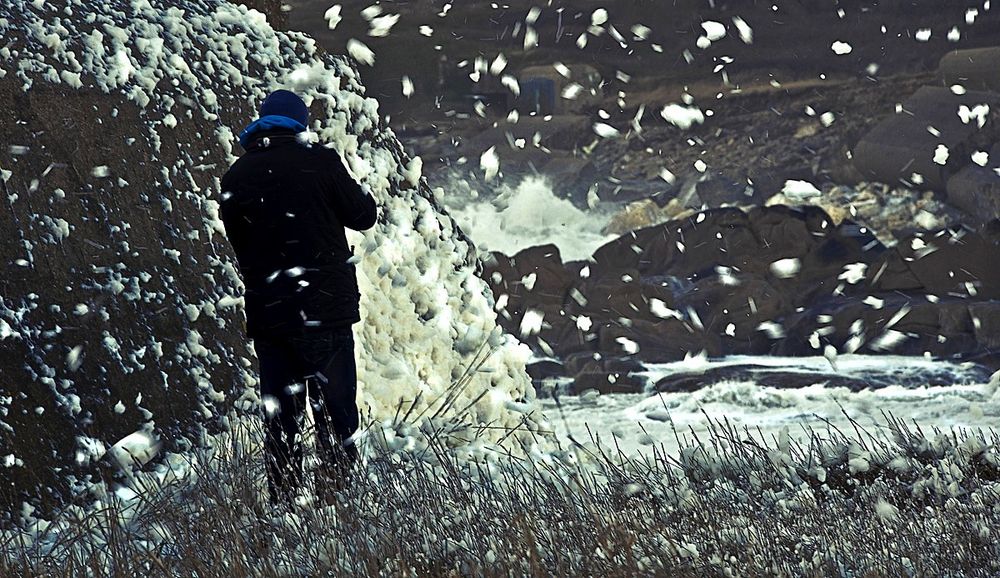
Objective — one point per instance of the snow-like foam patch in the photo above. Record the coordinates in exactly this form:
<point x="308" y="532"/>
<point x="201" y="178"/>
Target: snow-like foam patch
<point x="530" y="215"/>
<point x="638" y="422"/>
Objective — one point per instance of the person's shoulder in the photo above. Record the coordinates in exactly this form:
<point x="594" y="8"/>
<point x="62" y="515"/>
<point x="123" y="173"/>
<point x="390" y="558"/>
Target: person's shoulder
<point x="325" y="154"/>
<point x="325" y="150"/>
<point x="235" y="168"/>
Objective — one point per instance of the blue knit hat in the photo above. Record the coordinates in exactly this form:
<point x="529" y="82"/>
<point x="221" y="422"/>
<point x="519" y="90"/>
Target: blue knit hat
<point x="287" y="104"/>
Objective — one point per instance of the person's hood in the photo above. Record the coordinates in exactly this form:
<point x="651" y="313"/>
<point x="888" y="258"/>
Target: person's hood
<point x="269" y="123"/>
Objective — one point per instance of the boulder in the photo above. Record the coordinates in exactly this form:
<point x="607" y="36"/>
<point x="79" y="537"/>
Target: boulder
<point x="533" y="275"/>
<point x="657" y="341"/>
<point x="976" y="189"/>
<point x="612" y="190"/>
<point x="584" y="362"/>
<point x="708" y="283"/>
<point x="766" y="377"/>
<point x="975" y="69"/>
<point x="767" y="180"/>
<point x="626" y="295"/>
<point x="894" y="324"/>
<point x="986" y="324"/>
<point x="908" y="142"/>
<point x="546" y="374"/>
<point x="605" y="373"/>
<point x="607" y="382"/>
<point x="776" y="377"/>
<point x="733" y="307"/>
<point x="713" y="190"/>
<point x="948" y="262"/>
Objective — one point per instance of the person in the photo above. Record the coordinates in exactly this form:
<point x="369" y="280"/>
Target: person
<point x="285" y="204"/>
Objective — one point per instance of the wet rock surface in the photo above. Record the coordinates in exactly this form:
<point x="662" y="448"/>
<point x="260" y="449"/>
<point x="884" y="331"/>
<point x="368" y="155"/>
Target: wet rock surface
<point x="770" y="280"/>
<point x="104" y="326"/>
<point x="776" y="377"/>
<point x="930" y="139"/>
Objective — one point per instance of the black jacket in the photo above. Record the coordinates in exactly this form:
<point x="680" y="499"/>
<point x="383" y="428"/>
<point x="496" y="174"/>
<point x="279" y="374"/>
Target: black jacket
<point x="285" y="206"/>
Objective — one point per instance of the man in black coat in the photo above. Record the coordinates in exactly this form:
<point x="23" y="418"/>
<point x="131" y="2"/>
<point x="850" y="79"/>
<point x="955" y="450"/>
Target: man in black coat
<point x="285" y="204"/>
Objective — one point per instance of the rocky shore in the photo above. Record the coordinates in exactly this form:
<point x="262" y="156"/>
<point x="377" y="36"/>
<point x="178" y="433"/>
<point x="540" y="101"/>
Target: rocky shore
<point x="772" y="280"/>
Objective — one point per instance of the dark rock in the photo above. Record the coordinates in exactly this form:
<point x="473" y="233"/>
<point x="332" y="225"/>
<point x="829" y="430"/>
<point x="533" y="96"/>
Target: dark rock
<point x="545" y="369"/>
<point x="620" y="254"/>
<point x="767" y="180"/>
<point x="976" y="189"/>
<point x="975" y="69"/>
<point x="605" y="373"/>
<point x="571" y="177"/>
<point x="780" y="378"/>
<point x="840" y="167"/>
<point x="986" y="324"/>
<point x="563" y="336"/>
<point x="621" y="191"/>
<point x="712" y="190"/>
<point x="533" y="276"/>
<point x="545" y="374"/>
<point x="706" y="284"/>
<point x="658" y="341"/>
<point x="534" y="280"/>
<point x="734" y="312"/>
<point x="612" y="297"/>
<point x="690" y="382"/>
<point x="955" y="262"/>
<point x="594" y="362"/>
<point x="901" y="145"/>
<point x="608" y="382"/>
<point x="943" y="328"/>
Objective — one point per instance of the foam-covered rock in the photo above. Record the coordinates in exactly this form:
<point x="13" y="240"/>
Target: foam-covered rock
<point x="120" y="300"/>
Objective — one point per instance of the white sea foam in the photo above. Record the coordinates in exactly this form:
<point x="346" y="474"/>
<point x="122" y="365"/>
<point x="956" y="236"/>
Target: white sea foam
<point x="630" y="417"/>
<point x="528" y="215"/>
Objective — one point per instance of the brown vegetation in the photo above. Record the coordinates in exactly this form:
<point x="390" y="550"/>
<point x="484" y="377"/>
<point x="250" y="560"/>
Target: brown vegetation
<point x="898" y="502"/>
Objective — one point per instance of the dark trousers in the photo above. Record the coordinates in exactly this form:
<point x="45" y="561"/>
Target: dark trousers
<point x="325" y="359"/>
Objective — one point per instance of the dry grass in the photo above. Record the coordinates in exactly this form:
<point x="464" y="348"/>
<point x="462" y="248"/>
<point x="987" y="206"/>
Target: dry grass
<point x="436" y="499"/>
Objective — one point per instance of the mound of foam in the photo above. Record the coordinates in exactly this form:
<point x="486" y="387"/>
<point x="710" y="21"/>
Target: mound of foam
<point x="527" y="216"/>
<point x="120" y="302"/>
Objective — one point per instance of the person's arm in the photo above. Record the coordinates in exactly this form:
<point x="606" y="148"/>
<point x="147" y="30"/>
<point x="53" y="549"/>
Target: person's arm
<point x="355" y="208"/>
<point x="228" y="212"/>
